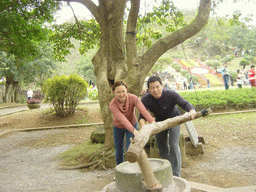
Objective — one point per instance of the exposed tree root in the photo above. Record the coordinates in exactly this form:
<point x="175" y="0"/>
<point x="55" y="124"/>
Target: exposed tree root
<point x="83" y="166"/>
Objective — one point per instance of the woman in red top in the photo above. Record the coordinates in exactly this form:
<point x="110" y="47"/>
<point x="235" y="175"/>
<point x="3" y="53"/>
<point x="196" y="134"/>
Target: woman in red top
<point x="124" y="121"/>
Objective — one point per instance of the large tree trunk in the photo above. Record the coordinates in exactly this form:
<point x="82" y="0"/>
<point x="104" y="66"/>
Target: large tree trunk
<point x="117" y="56"/>
<point x="12" y="91"/>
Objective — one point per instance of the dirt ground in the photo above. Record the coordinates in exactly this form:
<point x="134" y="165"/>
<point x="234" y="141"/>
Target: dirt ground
<point x="229" y="158"/>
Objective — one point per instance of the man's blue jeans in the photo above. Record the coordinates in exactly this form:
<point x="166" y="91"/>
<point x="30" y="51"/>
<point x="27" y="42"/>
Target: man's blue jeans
<point x="169" y="148"/>
<point x="226" y="81"/>
<point x="119" y="142"/>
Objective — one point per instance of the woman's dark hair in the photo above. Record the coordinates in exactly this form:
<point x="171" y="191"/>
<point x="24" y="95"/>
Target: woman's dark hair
<point x="118" y="83"/>
<point x="153" y="79"/>
<point x="238" y="70"/>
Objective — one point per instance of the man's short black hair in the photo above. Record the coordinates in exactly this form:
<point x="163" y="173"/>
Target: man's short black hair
<point x="252" y="66"/>
<point x="153" y="79"/>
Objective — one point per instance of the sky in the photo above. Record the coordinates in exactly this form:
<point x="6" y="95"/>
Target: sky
<point x="225" y="9"/>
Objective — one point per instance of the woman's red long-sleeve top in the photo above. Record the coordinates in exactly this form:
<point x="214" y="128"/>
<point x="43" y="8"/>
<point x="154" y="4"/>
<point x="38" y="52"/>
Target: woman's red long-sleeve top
<point x="124" y="116"/>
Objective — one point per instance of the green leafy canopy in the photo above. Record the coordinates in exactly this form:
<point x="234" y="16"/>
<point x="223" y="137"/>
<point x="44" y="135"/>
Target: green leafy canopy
<point x="23" y="25"/>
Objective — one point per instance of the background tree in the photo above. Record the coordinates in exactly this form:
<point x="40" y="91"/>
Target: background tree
<point x="250" y="40"/>
<point x="21" y="31"/>
<point x="237" y="37"/>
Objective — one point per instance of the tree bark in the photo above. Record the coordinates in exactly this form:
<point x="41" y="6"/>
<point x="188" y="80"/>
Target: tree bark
<point x="12" y="91"/>
<point x="117" y="56"/>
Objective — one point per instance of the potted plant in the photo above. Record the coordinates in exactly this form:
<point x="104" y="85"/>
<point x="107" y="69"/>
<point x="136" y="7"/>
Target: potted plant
<point x="34" y="103"/>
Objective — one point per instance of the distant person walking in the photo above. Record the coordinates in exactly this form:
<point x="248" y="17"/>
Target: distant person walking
<point x="29" y="94"/>
<point x="225" y="72"/>
<point x="208" y="83"/>
<point x="251" y="75"/>
<point x="239" y="78"/>
<point x="190" y="82"/>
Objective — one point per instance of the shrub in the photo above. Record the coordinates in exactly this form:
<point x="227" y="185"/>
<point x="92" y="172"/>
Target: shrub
<point x="225" y="60"/>
<point x="184" y="72"/>
<point x="209" y="63"/>
<point x="231" y="57"/>
<point x="203" y="58"/>
<point x="218" y="57"/>
<point x="215" y="64"/>
<point x="176" y="66"/>
<point x="222" y="99"/>
<point x="244" y="62"/>
<point x="93" y="93"/>
<point x="194" y="77"/>
<point x="64" y="92"/>
<point x="248" y="57"/>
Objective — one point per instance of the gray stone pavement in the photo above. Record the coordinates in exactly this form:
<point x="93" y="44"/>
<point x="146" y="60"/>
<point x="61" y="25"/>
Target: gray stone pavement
<point x="22" y="107"/>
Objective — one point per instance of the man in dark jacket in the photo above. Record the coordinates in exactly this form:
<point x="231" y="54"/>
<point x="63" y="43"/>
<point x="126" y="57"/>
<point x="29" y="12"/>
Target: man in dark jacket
<point x="162" y="103"/>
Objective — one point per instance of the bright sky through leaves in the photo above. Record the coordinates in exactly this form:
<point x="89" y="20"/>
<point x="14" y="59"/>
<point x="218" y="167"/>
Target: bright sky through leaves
<point x="226" y="8"/>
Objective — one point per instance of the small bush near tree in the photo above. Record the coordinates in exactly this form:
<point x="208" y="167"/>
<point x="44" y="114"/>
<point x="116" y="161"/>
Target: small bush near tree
<point x="203" y="58"/>
<point x="248" y="57"/>
<point x="215" y="64"/>
<point x="218" y="57"/>
<point x="244" y="62"/>
<point x="64" y="92"/>
<point x="184" y="72"/>
<point x="228" y="59"/>
<point x="176" y="66"/>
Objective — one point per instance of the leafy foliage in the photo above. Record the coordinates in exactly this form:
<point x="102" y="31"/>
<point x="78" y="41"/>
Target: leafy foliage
<point x="7" y="63"/>
<point x="227" y="59"/>
<point x="22" y="25"/>
<point x="92" y="93"/>
<point x="88" y="32"/>
<point x="167" y="15"/>
<point x="35" y="71"/>
<point x="214" y="64"/>
<point x="160" y="65"/>
<point x="64" y="92"/>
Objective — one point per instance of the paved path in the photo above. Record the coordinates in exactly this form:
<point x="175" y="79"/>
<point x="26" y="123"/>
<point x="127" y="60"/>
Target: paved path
<point x="10" y="110"/>
<point x="23" y="107"/>
<point x="27" y="169"/>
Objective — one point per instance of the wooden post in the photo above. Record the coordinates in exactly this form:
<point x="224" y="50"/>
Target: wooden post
<point x="183" y="150"/>
<point x="151" y="183"/>
<point x="136" y="149"/>
<point x="141" y="139"/>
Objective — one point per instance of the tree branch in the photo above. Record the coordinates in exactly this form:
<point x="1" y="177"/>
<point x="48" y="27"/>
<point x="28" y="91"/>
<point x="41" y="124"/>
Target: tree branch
<point x="164" y="44"/>
<point x="92" y="7"/>
<point x="131" y="32"/>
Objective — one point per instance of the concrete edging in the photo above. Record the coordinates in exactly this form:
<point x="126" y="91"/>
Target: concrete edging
<point x="48" y="128"/>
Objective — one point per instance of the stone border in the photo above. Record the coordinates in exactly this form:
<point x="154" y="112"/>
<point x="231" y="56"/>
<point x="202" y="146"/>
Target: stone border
<point x="48" y="128"/>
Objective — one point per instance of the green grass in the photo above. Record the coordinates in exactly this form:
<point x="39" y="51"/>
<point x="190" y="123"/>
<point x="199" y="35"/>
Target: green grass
<point x="80" y="153"/>
<point x="227" y="123"/>
<point x="89" y="153"/>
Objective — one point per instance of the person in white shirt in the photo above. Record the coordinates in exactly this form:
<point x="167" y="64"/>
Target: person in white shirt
<point x="239" y="78"/>
<point x="29" y="93"/>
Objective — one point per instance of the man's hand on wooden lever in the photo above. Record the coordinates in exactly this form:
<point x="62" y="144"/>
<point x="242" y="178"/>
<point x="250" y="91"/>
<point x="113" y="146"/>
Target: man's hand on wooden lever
<point x="192" y="114"/>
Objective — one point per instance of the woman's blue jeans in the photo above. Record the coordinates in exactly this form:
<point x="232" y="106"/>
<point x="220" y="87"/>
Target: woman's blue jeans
<point x="168" y="145"/>
<point x="119" y="142"/>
